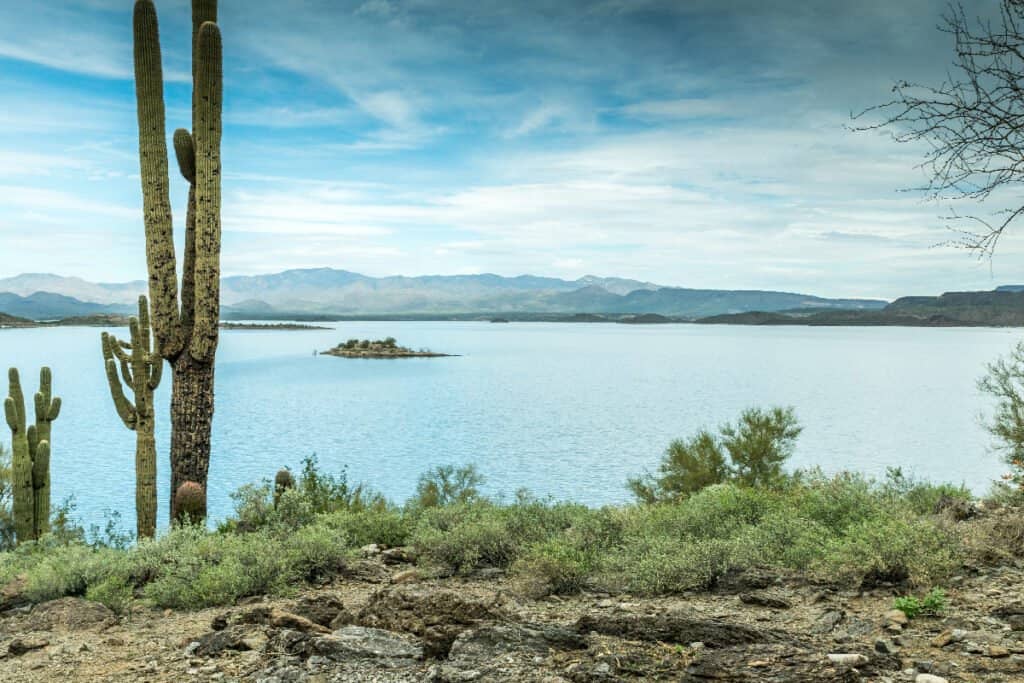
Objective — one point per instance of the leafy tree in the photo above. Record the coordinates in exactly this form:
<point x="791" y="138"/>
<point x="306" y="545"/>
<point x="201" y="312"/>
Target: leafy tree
<point x="1004" y="381"/>
<point x="750" y="453"/>
<point x="759" y="443"/>
<point x="447" y="485"/>
<point x="688" y="466"/>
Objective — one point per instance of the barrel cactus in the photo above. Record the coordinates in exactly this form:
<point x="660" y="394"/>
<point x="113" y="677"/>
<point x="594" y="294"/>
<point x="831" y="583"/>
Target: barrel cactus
<point x="190" y="502"/>
<point x="283" y="481"/>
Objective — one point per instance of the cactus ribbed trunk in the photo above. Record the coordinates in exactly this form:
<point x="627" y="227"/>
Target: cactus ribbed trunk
<point x="145" y="477"/>
<point x="191" y="419"/>
<point x="186" y="330"/>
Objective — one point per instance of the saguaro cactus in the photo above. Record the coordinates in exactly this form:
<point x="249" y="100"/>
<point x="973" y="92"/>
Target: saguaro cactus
<point x="283" y="481"/>
<point x="141" y="369"/>
<point x="185" y="330"/>
<point x="30" y="457"/>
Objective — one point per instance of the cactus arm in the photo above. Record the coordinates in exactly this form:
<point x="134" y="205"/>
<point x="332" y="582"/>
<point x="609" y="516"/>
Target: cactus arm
<point x="18" y="399"/>
<point x="11" y="413"/>
<point x="185" y="151"/>
<point x="54" y="410"/>
<point x="156" y="371"/>
<point x="207" y="132"/>
<point x="32" y="435"/>
<point x="125" y="410"/>
<point x="163" y="283"/>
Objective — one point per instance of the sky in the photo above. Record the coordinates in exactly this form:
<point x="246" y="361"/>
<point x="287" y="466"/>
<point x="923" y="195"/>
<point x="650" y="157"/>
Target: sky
<point x="697" y="143"/>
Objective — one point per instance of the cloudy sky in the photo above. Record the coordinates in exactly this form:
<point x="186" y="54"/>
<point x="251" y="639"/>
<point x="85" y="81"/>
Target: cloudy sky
<point x="698" y="143"/>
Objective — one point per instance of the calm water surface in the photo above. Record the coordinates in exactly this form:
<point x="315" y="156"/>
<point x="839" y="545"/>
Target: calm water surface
<point x="568" y="410"/>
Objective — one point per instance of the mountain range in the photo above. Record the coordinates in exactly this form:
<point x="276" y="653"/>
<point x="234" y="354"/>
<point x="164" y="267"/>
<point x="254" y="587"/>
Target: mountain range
<point x="328" y="291"/>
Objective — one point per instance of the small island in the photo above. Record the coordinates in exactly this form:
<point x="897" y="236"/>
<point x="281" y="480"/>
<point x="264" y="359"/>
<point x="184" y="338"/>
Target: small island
<point x="380" y="348"/>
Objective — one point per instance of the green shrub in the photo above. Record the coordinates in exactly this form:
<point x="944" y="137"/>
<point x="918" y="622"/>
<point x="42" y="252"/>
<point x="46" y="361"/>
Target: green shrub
<point x="933" y="604"/>
<point x="759" y="443"/>
<point x="114" y="591"/>
<point x="750" y="453"/>
<point x="447" y="485"/>
<point x="1004" y="381"/>
<point x="464" y="537"/>
<point x="688" y="466"/>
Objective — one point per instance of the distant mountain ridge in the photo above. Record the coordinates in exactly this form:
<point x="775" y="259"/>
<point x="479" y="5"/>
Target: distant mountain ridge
<point x="328" y="291"/>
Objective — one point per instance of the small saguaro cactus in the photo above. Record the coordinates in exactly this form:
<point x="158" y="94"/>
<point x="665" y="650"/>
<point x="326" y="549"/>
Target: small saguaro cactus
<point x="30" y="457"/>
<point x="190" y="502"/>
<point x="141" y="369"/>
<point x="283" y="481"/>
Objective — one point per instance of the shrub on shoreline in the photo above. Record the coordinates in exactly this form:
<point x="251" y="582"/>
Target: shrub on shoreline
<point x="841" y="529"/>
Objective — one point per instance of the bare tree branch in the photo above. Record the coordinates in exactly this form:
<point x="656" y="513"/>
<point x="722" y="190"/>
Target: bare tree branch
<point x="973" y="122"/>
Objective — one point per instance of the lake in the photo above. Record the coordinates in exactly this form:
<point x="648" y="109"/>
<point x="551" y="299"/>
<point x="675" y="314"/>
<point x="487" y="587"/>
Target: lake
<point x="566" y="410"/>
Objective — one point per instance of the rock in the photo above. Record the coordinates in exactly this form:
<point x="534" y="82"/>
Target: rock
<point x="897" y="616"/>
<point x="398" y="556"/>
<point x="677" y="626"/>
<point x="929" y="678"/>
<point x="997" y="651"/>
<point x="384" y="648"/>
<point x="191" y="648"/>
<point x="948" y="637"/>
<point x="20" y="646"/>
<point x="12" y="595"/>
<point x="277" y="618"/>
<point x="370" y="550"/>
<point x="369" y="571"/>
<point x="406" y="576"/>
<point x="848" y="658"/>
<point x="765" y="599"/>
<point x="70" y="614"/>
<point x="486" y="643"/>
<point x="436" y="615"/>
<point x="235" y="637"/>
<point x="885" y="647"/>
<point x="828" y="621"/>
<point x="322" y="609"/>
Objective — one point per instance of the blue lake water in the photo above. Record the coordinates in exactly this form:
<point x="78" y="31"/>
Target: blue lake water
<point x="567" y="410"/>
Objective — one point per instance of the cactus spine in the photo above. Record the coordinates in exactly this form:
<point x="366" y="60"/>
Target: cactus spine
<point x="185" y="331"/>
<point x="141" y="369"/>
<point x="30" y="457"/>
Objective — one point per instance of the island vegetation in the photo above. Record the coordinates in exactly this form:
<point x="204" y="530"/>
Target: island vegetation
<point x="379" y="348"/>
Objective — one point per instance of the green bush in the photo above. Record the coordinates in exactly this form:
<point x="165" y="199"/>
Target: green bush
<point x="1004" y="381"/>
<point x="933" y="604"/>
<point x="447" y="485"/>
<point x="751" y="453"/>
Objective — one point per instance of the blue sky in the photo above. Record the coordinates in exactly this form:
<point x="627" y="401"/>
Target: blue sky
<point x="696" y="143"/>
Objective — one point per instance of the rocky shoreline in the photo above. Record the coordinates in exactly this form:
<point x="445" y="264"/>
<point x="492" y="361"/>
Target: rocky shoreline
<point x="387" y="620"/>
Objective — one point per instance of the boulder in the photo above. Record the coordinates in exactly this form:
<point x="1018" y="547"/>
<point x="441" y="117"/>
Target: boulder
<point x="436" y="615"/>
<point x="383" y="648"/>
<point x="478" y="646"/>
<point x="677" y="626"/>
<point x="69" y="614"/>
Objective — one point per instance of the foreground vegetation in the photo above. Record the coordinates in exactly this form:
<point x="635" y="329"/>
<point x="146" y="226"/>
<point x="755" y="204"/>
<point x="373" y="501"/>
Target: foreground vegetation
<point x="844" y="528"/>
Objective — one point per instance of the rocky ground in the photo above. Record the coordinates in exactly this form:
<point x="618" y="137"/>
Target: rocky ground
<point x="384" y="621"/>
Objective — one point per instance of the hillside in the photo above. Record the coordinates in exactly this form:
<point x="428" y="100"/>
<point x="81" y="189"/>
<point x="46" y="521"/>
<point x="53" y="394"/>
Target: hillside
<point x="328" y="292"/>
<point x="49" y="306"/>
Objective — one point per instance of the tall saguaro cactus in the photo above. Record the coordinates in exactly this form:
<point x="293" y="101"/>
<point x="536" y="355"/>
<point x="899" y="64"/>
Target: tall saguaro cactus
<point x="141" y="368"/>
<point x="185" y="329"/>
<point x="30" y="458"/>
